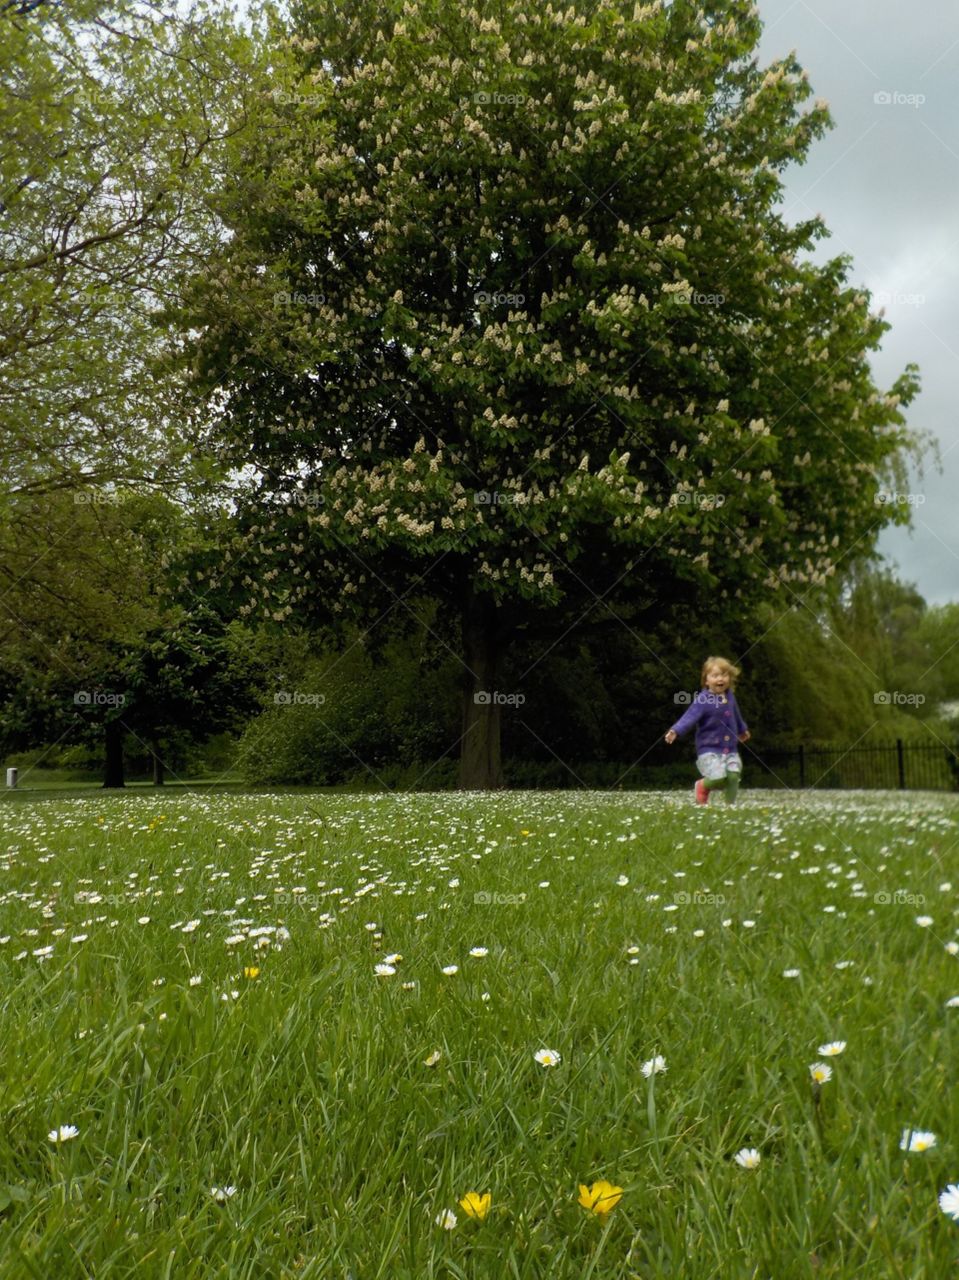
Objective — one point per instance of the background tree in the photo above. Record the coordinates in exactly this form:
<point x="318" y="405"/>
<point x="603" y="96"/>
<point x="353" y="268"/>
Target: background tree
<point x="126" y="654"/>
<point x="111" y="126"/>
<point x="509" y="315"/>
<point x="112" y="123"/>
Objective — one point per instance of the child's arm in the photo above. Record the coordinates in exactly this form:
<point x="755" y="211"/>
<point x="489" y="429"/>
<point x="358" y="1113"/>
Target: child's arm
<point x="742" y="733"/>
<point x="687" y="720"/>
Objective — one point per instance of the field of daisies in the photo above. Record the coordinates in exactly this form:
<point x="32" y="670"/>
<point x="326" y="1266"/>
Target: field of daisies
<point x="518" y="1035"/>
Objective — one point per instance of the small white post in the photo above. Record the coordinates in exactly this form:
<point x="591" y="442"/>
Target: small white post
<point x="12" y="777"/>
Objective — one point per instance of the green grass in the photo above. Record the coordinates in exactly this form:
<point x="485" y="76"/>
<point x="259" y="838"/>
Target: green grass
<point x="309" y="1092"/>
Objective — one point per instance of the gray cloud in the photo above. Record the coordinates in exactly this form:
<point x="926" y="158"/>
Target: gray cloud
<point x="886" y="181"/>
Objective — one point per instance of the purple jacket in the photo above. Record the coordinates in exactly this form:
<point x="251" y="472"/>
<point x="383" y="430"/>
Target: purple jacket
<point x="718" y="722"/>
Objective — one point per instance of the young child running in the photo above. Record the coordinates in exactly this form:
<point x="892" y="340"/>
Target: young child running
<point x="719" y="725"/>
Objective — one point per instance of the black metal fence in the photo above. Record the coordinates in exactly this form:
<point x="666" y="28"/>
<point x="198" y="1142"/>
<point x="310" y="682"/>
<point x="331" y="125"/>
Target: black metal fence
<point x="899" y="765"/>
<point x="930" y="764"/>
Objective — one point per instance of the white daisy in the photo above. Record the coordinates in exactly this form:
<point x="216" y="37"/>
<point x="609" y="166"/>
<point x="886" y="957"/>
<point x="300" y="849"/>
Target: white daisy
<point x="748" y="1158"/>
<point x="949" y="1201"/>
<point x="916" y="1140"/>
<point x="653" y="1066"/>
<point x="63" y="1134"/>
<point x="832" y="1049"/>
<point x="547" y="1057"/>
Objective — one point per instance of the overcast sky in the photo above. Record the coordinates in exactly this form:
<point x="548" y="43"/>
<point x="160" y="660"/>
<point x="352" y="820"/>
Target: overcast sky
<point x="886" y="180"/>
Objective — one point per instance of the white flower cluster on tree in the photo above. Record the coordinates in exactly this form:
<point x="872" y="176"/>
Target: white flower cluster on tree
<point x="541" y="239"/>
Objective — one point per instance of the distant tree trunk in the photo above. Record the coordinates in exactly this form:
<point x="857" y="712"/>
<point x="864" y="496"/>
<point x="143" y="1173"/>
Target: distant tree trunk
<point x="113" y="763"/>
<point x="481" y="767"/>
<point x="159" y="768"/>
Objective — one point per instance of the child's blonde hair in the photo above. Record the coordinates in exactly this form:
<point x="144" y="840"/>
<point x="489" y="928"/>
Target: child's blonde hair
<point x="724" y="664"/>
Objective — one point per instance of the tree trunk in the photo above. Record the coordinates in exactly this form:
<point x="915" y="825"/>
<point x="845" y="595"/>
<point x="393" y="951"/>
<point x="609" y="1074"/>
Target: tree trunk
<point x="159" y="769"/>
<point x="113" y="763"/>
<point x="481" y="768"/>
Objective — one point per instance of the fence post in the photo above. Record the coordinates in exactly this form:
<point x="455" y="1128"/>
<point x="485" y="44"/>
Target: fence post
<point x="902" y="765"/>
<point x="802" y="766"/>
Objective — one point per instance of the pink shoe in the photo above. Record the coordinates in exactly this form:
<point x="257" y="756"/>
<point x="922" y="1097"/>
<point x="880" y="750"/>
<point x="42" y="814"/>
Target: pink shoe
<point x="700" y="792"/>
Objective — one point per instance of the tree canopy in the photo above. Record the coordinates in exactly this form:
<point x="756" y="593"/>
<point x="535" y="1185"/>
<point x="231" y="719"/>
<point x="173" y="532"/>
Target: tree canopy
<point x="111" y="123"/>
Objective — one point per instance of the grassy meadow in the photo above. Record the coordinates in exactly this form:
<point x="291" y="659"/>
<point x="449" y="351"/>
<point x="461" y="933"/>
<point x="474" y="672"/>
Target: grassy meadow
<point x="286" y="1035"/>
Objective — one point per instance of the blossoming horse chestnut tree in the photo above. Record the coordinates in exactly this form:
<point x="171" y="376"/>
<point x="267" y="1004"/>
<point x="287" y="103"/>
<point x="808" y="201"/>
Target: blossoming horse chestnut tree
<point x="508" y="316"/>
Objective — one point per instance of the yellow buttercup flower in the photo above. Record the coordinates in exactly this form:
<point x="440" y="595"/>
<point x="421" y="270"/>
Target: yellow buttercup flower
<point x="600" y="1197"/>
<point x="475" y="1205"/>
<point x="251" y="971"/>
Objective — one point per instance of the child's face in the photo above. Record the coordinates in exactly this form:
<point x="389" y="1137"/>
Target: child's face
<point x="717" y="680"/>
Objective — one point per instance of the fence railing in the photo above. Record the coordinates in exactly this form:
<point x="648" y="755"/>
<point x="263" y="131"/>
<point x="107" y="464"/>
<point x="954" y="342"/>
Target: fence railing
<point x="899" y="765"/>
<point x="928" y="765"/>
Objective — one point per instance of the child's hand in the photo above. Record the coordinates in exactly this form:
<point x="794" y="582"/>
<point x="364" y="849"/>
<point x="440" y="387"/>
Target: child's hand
<point x="671" y="736"/>
<point x="744" y="737"/>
